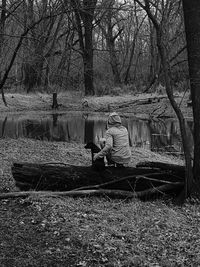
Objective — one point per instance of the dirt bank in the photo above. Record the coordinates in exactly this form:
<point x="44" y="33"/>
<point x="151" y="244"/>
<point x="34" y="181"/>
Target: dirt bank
<point x="90" y="232"/>
<point x="129" y="103"/>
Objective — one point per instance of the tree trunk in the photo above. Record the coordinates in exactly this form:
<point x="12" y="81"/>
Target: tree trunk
<point x="27" y="66"/>
<point x="87" y="17"/>
<point x="110" y="42"/>
<point x="55" y="102"/>
<point x="88" y="61"/>
<point x="114" y="62"/>
<point x="2" y="29"/>
<point x="132" y="49"/>
<point x="184" y="135"/>
<point x="191" y="10"/>
<point x="34" y="61"/>
<point x="84" y="13"/>
<point x="29" y="74"/>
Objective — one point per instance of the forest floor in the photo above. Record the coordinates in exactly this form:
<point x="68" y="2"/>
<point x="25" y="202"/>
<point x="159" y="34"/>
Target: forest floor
<point x="63" y="231"/>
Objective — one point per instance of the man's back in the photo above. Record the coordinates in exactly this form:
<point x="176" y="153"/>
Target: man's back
<point x="117" y="138"/>
<point x="116" y="144"/>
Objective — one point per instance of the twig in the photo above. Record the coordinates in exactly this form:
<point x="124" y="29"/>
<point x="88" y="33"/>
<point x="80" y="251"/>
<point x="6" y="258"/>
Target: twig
<point x="57" y="163"/>
<point x="160" y="181"/>
<point x="111" y="193"/>
<point x="130" y="177"/>
<point x="183" y="96"/>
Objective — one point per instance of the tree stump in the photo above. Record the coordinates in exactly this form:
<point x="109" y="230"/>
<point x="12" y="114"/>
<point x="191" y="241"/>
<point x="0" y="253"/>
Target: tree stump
<point x="55" y="102"/>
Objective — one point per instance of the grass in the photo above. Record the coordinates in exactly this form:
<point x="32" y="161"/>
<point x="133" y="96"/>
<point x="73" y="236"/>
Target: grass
<point x="98" y="232"/>
<point x="41" y="231"/>
<point x="87" y="232"/>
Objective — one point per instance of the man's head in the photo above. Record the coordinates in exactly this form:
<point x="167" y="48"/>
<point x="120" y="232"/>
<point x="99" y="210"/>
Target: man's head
<point x="113" y="119"/>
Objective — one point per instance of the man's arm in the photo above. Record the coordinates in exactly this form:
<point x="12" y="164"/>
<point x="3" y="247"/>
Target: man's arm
<point x="107" y="147"/>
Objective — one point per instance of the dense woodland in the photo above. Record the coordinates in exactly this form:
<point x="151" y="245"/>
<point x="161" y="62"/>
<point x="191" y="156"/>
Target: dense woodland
<point x="90" y="45"/>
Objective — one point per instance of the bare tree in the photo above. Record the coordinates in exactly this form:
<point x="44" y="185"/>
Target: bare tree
<point x="111" y="31"/>
<point x="162" y="48"/>
<point x="20" y="37"/>
<point x="191" y="10"/>
<point x="137" y="25"/>
<point x="84" y="14"/>
<point x="59" y="50"/>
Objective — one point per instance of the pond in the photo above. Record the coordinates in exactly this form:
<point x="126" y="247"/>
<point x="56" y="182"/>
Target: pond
<point x="82" y="128"/>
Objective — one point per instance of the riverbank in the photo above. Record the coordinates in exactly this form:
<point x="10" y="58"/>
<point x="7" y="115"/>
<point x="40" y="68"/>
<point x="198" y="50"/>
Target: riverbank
<point x="87" y="232"/>
<point x="74" y="101"/>
<point x="62" y="231"/>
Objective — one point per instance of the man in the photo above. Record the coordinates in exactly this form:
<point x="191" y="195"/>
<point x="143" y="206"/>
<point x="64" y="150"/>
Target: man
<point x="116" y="143"/>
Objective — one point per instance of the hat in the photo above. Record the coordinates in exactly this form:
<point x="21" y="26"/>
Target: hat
<point x="114" y="118"/>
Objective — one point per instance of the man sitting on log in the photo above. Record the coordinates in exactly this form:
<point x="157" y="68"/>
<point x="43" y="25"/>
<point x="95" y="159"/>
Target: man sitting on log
<point x="115" y="145"/>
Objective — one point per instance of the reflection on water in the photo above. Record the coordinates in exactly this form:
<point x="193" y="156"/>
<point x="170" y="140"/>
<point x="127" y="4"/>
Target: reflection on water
<point x="85" y="128"/>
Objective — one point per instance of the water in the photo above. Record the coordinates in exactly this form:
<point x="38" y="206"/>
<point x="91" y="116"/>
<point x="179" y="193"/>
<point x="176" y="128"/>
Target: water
<point x="79" y="128"/>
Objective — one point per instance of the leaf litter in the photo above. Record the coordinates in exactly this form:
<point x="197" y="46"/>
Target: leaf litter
<point x="39" y="231"/>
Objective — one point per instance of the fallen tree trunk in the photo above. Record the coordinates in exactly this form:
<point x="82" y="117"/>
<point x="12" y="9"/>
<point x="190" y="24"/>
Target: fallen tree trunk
<point x="54" y="177"/>
<point x="65" y="178"/>
<point x="175" y="168"/>
<point x="142" y="101"/>
<point x="139" y="101"/>
<point x="83" y="193"/>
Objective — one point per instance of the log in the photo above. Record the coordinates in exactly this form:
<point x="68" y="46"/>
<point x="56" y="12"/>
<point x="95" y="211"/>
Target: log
<point x="163" y="189"/>
<point x="83" y="193"/>
<point x="175" y="168"/>
<point x="142" y="101"/>
<point x="23" y="186"/>
<point x="55" y="177"/>
<point x="139" y="101"/>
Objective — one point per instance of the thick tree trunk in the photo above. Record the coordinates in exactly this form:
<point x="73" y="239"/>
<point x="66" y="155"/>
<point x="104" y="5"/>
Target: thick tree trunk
<point x="110" y="39"/>
<point x="114" y="62"/>
<point x="84" y="13"/>
<point x="39" y="37"/>
<point x="2" y="29"/>
<point x="88" y="72"/>
<point x="30" y="76"/>
<point x="87" y="16"/>
<point x="191" y="10"/>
